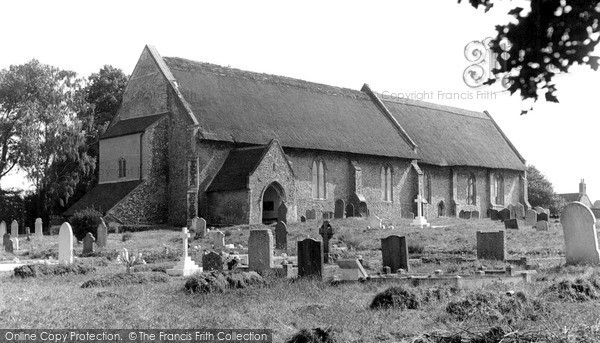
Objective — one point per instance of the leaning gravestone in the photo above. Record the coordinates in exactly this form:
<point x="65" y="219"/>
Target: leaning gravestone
<point x="542" y="226"/>
<point x="491" y="245"/>
<point x="349" y="210"/>
<point x="394" y="252"/>
<point x="530" y="217"/>
<point x="310" y="258"/>
<point x="39" y="227"/>
<point x="326" y="231"/>
<point x="260" y="250"/>
<point x="352" y="270"/>
<point x="65" y="244"/>
<point x="7" y="243"/>
<point x="520" y="211"/>
<point x="511" y="224"/>
<point x="212" y="261"/>
<point x="2" y="228"/>
<point x="579" y="226"/>
<point x="281" y="236"/>
<point x="88" y="243"/>
<point x="102" y="233"/>
<point x="282" y="213"/>
<point x="14" y="229"/>
<point x="340" y="206"/>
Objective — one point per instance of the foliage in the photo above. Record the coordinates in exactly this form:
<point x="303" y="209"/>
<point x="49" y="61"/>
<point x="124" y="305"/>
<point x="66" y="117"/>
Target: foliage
<point x="11" y="205"/>
<point x="544" y="40"/>
<point x="85" y="221"/>
<point x="397" y="297"/>
<point x="581" y="289"/>
<point x="130" y="260"/>
<point x="127" y="279"/>
<point x="316" y="335"/>
<point x="219" y="282"/>
<point x="37" y="270"/>
<point x="539" y="189"/>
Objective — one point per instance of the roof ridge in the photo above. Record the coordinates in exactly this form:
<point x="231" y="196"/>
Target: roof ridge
<point x="434" y="106"/>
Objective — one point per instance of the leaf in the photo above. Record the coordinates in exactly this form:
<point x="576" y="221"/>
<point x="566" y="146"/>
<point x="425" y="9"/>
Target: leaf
<point x="551" y="97"/>
<point x="593" y="62"/>
<point x="515" y="11"/>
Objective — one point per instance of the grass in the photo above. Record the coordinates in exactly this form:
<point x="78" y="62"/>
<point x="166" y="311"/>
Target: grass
<point x="287" y="306"/>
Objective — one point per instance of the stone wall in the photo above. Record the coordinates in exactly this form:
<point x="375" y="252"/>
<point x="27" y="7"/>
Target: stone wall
<point x="228" y="207"/>
<point x="113" y="149"/>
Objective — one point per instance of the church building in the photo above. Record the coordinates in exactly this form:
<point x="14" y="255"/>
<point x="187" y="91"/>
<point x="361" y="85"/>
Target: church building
<point x="231" y="146"/>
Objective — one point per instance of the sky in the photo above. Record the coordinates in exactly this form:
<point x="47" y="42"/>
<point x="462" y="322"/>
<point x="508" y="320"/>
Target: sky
<point x="400" y="48"/>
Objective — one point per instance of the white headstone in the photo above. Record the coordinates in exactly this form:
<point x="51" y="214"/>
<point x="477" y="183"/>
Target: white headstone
<point x="65" y="244"/>
<point x="579" y="226"/>
<point x="14" y="229"/>
<point x="15" y="243"/>
<point x="2" y="228"/>
<point x="219" y="239"/>
<point x="185" y="266"/>
<point x="38" y="227"/>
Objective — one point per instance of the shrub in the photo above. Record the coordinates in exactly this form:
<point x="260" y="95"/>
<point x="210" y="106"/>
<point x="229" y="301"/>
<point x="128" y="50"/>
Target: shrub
<point x="396" y="297"/>
<point x="85" y="221"/>
<point x="126" y="279"/>
<point x="316" y="335"/>
<point x="219" y="282"/>
<point x="37" y="270"/>
<point x="583" y="289"/>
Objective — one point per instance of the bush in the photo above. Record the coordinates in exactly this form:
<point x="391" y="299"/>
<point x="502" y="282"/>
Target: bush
<point x="317" y="335"/>
<point x="126" y="279"/>
<point x="583" y="289"/>
<point x="85" y="221"/>
<point x="416" y="248"/>
<point x="37" y="270"/>
<point x="396" y="297"/>
<point x="219" y="282"/>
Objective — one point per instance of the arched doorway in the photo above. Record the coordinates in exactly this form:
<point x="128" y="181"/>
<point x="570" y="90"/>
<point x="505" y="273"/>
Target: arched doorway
<point x="273" y="196"/>
<point x="441" y="209"/>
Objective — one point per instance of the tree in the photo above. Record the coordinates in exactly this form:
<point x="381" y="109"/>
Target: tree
<point x="548" y="39"/>
<point x="540" y="190"/>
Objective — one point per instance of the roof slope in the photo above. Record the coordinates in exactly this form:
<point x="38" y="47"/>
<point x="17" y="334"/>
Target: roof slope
<point x="448" y="136"/>
<point x="236" y="170"/>
<point x="570" y="197"/>
<point x="103" y="197"/>
<point x="131" y="126"/>
<point x="246" y="107"/>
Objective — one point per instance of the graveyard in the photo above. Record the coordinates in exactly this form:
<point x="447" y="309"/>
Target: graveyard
<point x="473" y="277"/>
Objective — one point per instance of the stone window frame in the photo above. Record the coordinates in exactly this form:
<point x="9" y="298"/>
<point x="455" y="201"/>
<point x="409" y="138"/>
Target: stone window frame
<point x="122" y="167"/>
<point x="471" y="190"/>
<point x="498" y="188"/>
<point x="319" y="179"/>
<point x="427" y="186"/>
<point x="387" y="183"/>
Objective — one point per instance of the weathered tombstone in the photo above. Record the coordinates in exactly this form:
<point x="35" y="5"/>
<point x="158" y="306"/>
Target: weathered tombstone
<point x="15" y="242"/>
<point x="302" y="219"/>
<point x="200" y="228"/>
<point x="7" y="243"/>
<point x="218" y="239"/>
<point x="352" y="270"/>
<point x="326" y="231"/>
<point x="579" y="226"/>
<point x="530" y="217"/>
<point x="465" y="214"/>
<point x="212" y="261"/>
<point x="2" y="228"/>
<point x="542" y="226"/>
<point x="39" y="227"/>
<point x="102" y="233"/>
<point x="65" y="244"/>
<point x="474" y="214"/>
<point x="394" y="251"/>
<point x="491" y="245"/>
<point x="281" y="236"/>
<point x="325" y="215"/>
<point x="185" y="266"/>
<point x="350" y="210"/>
<point x="363" y="211"/>
<point x="88" y="243"/>
<point x="407" y="215"/>
<point x="311" y="214"/>
<point x="282" y="213"/>
<point x="504" y="214"/>
<point x="511" y="224"/>
<point x="493" y="214"/>
<point x="511" y="211"/>
<point x="260" y="250"/>
<point x="539" y="209"/>
<point x="310" y="258"/>
<point x="543" y="216"/>
<point x="520" y="211"/>
<point x="14" y="229"/>
<point x="340" y="206"/>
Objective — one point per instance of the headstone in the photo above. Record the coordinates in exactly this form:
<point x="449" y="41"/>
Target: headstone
<point x="491" y="245"/>
<point x="310" y="258"/>
<point x="15" y="243"/>
<point x="363" y="211"/>
<point x="281" y="236"/>
<point x="7" y="243"/>
<point x="340" y="206"/>
<point x="39" y="227"/>
<point x="511" y="211"/>
<point x="464" y="214"/>
<point x="27" y="231"/>
<point x="218" y="239"/>
<point x="504" y="214"/>
<point x="185" y="266"/>
<point x="475" y="215"/>
<point x="520" y="211"/>
<point x="102" y="235"/>
<point x="282" y="213"/>
<point x="2" y="228"/>
<point x="579" y="226"/>
<point x="14" y="229"/>
<point x="302" y="219"/>
<point x="407" y="215"/>
<point x="351" y="270"/>
<point x="542" y="216"/>
<point x="326" y="231"/>
<point x="394" y="251"/>
<point x="260" y="250"/>
<point x="493" y="214"/>
<point x="511" y="224"/>
<point x="542" y="226"/>
<point x="212" y="261"/>
<point x="539" y="209"/>
<point x="88" y="243"/>
<point x="200" y="228"/>
<point x="65" y="244"/>
<point x="350" y="210"/>
<point x="311" y="214"/>
<point x="530" y="217"/>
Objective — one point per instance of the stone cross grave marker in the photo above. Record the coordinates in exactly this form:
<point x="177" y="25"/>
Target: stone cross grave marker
<point x="350" y="210"/>
<point x="14" y="229"/>
<point x="39" y="227"/>
<point x="542" y="226"/>
<point x="282" y="212"/>
<point x="579" y="226"/>
<point x="352" y="270"/>
<point x="185" y="266"/>
<point x="260" y="250"/>
<point x="7" y="243"/>
<point x="340" y="206"/>
<point x="511" y="211"/>
<point x="212" y="261"/>
<point x="88" y="243"/>
<point x="102" y="235"/>
<point x="310" y="258"/>
<point x="491" y="245"/>
<point x="2" y="228"/>
<point x="511" y="224"/>
<point x="65" y="244"/>
<point x="281" y="236"/>
<point x="394" y="251"/>
<point x="326" y="231"/>
<point x="530" y="217"/>
<point x="219" y="239"/>
<point x="420" y="219"/>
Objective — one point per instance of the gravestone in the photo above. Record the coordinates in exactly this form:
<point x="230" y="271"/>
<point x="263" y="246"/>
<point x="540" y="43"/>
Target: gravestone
<point x="302" y="219"/>
<point x="407" y="215"/>
<point x="350" y="210"/>
<point x="539" y="209"/>
<point x="363" y="211"/>
<point x="542" y="216"/>
<point x="511" y="224"/>
<point x="15" y="242"/>
<point x="2" y="228"/>
<point x="520" y="211"/>
<point x="474" y="214"/>
<point x="511" y="211"/>
<point x="504" y="214"/>
<point x="326" y="231"/>
<point x="14" y="229"/>
<point x="310" y="258"/>
<point x="493" y="214"/>
<point x="282" y="213"/>
<point x="185" y="266"/>
<point x="281" y="236"/>
<point x="212" y="261"/>
<point x="27" y="231"/>
<point x="219" y="240"/>
<point x="340" y="206"/>
<point x="7" y="243"/>
<point x="394" y="252"/>
<point x="102" y="233"/>
<point x="579" y="226"/>
<point x="39" y="227"/>
<point x="351" y="270"/>
<point x="491" y="245"/>
<point x="260" y="250"/>
<point x="542" y="226"/>
<point x="88" y="243"/>
<point x="530" y="217"/>
<point x="464" y="215"/>
<point x="311" y="214"/>
<point x="65" y="244"/>
<point x="200" y="228"/>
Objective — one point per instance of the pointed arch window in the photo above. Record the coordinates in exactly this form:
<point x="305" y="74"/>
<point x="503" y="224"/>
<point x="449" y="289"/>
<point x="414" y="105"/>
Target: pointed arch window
<point x="319" y="188"/>
<point x="471" y="190"/>
<point x="387" y="183"/>
<point x="499" y="189"/>
<point x="122" y="167"/>
<point x="427" y="186"/>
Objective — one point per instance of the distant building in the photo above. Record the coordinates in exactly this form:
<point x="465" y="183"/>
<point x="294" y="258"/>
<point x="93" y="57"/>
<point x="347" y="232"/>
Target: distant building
<point x="582" y="196"/>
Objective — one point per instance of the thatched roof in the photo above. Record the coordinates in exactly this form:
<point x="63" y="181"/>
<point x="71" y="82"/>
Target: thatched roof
<point x="131" y="126"/>
<point x="103" y="197"/>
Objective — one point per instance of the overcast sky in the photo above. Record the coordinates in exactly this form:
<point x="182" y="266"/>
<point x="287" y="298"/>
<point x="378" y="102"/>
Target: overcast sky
<point x="408" y="48"/>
